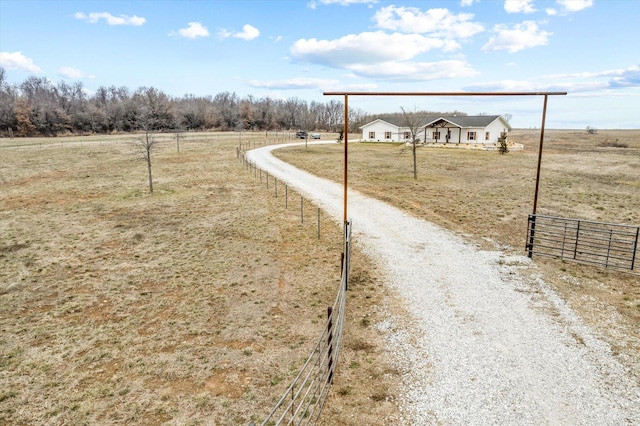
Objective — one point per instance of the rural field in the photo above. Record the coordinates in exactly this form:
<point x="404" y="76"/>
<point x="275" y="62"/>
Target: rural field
<point x="198" y="303"/>
<point x="195" y="305"/>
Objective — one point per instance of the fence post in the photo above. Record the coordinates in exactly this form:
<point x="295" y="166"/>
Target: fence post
<point x="606" y="264"/>
<point x="293" y="394"/>
<point x="267" y="176"/>
<point x="301" y="209"/>
<point x="575" y="247"/>
<point x="275" y="184"/>
<point x="318" y="222"/>
<point x="286" y="196"/>
<point x="532" y="231"/>
<point x="330" y="344"/>
<point x="635" y="248"/>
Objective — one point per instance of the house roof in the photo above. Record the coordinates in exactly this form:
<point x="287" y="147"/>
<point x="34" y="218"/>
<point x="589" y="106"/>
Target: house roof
<point x="463" y="121"/>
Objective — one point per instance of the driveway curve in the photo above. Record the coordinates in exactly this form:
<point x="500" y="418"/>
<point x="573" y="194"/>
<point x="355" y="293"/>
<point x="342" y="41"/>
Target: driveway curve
<point x="483" y="344"/>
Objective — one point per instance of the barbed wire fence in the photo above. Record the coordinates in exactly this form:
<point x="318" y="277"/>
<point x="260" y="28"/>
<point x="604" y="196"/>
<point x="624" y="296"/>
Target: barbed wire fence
<point x="304" y="399"/>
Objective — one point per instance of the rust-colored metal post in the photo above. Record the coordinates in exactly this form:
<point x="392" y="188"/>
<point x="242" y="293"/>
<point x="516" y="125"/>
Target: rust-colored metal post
<point x="532" y="218"/>
<point x="346" y="155"/>
<point x="544" y="116"/>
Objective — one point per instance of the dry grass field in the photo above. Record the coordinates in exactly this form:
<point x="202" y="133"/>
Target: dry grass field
<point x="194" y="305"/>
<point x="197" y="304"/>
<point x="487" y="197"/>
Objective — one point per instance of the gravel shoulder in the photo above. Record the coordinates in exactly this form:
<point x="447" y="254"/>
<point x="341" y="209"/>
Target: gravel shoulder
<point x="484" y="341"/>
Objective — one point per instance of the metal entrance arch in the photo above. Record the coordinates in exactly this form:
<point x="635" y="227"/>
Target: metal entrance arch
<point x="346" y="124"/>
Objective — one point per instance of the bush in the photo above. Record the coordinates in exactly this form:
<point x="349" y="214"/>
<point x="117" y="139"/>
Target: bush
<point x="503" y="148"/>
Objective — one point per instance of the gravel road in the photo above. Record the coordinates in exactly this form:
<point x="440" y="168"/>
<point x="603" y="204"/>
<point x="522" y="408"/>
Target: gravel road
<point x="481" y="344"/>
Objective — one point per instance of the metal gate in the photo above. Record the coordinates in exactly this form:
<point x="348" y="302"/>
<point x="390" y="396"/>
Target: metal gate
<point x="597" y="243"/>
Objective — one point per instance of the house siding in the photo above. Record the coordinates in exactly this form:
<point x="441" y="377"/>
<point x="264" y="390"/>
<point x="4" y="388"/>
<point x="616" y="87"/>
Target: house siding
<point x="457" y="134"/>
<point x="379" y="127"/>
<point x="494" y="129"/>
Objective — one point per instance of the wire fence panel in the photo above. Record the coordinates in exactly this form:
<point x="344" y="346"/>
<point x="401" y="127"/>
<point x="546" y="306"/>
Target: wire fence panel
<point x="597" y="243"/>
<point x="303" y="401"/>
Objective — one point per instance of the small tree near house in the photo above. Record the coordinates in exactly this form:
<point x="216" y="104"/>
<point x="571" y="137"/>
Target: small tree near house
<point x="503" y="147"/>
<point x="412" y="122"/>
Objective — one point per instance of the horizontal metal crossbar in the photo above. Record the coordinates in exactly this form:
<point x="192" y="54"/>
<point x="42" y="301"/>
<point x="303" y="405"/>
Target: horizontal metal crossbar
<point x="597" y="243"/>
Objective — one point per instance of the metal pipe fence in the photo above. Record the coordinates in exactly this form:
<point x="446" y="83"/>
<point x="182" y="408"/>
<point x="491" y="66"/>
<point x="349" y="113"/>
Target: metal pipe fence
<point x="610" y="245"/>
<point x="258" y="172"/>
<point x="303" y="401"/>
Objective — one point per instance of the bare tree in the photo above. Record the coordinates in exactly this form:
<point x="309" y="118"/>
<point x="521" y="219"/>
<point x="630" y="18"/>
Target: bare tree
<point x="147" y="143"/>
<point x="413" y="122"/>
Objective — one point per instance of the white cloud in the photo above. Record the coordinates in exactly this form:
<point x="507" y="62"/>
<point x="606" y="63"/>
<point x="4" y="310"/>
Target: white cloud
<point x="465" y="3"/>
<point x="519" y="6"/>
<point x="314" y="4"/>
<point x="293" y="83"/>
<point x="383" y="56"/>
<point x="520" y="36"/>
<point x="368" y="48"/>
<point x="17" y="61"/>
<point x="94" y="17"/>
<point x="551" y="11"/>
<point x="573" y="83"/>
<point x="440" y="21"/>
<point x="249" y="32"/>
<point x="538" y="86"/>
<point x="415" y="71"/>
<point x="366" y="87"/>
<point x="616" y="78"/>
<point x="193" y="31"/>
<point x="575" y="5"/>
<point x="73" y="73"/>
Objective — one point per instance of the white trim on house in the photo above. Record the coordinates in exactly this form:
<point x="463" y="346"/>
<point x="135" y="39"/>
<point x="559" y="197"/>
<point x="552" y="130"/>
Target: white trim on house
<point x="479" y="129"/>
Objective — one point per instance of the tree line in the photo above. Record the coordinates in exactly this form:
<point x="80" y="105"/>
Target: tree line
<point x="38" y="107"/>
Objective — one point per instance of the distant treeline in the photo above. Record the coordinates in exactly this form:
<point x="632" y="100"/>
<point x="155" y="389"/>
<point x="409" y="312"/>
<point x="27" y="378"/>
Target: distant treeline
<point x="38" y="107"/>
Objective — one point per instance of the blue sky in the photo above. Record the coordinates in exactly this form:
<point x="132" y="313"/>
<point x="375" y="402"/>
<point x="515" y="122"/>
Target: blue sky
<point x="283" y="49"/>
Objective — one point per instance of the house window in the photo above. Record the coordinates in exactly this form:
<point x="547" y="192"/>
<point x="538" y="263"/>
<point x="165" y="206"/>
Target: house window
<point x="407" y="135"/>
<point x="387" y="135"/>
<point x="486" y="136"/>
<point x="436" y="135"/>
<point x="471" y="136"/>
<point x="372" y="135"/>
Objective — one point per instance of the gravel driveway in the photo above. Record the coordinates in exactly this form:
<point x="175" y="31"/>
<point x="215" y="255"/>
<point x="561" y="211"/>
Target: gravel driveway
<point x="481" y="344"/>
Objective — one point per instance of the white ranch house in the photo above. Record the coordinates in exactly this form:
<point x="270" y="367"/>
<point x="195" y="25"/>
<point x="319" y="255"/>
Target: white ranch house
<point x="454" y="129"/>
